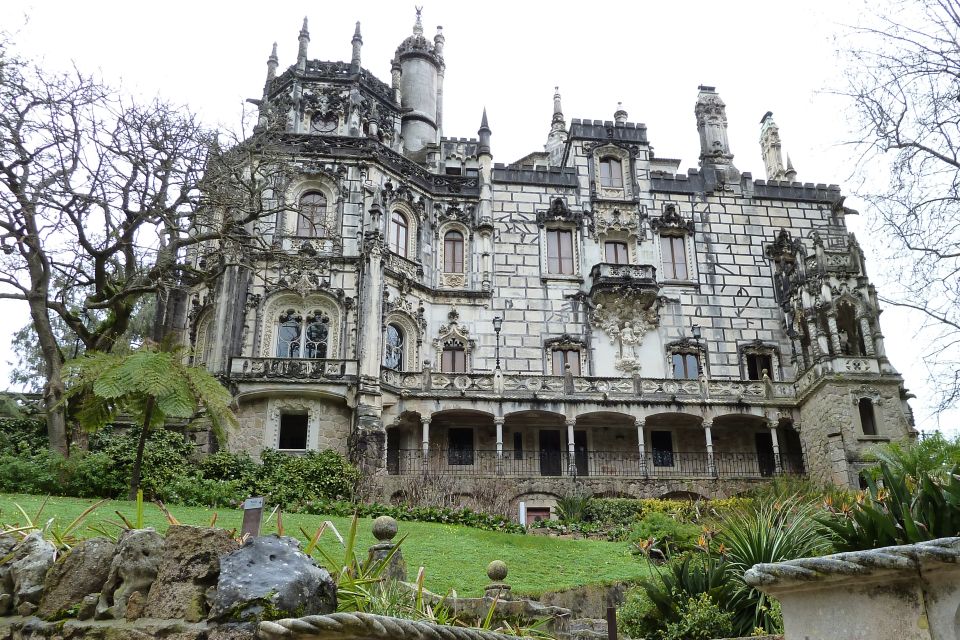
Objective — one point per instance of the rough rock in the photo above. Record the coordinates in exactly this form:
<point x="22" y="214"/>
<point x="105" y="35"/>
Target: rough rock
<point x="134" y="568"/>
<point x="88" y="608"/>
<point x="135" y="604"/>
<point x="270" y="577"/>
<point x="21" y="579"/>
<point x="77" y="574"/>
<point x="189" y="566"/>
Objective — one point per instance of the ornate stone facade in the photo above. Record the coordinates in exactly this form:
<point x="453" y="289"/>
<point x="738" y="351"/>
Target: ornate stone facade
<point x="583" y="312"/>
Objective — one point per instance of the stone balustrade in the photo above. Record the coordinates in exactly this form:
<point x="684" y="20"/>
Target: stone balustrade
<point x="293" y="369"/>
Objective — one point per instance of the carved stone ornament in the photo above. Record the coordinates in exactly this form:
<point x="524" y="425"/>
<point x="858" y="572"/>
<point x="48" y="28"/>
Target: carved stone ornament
<point x="625" y="320"/>
<point x="462" y="212"/>
<point x="608" y="220"/>
<point x="671" y="221"/>
<point x="393" y="194"/>
<point x="453" y="333"/>
<point x="784" y="247"/>
<point x="303" y="273"/>
<point x="325" y="105"/>
<point x="560" y="212"/>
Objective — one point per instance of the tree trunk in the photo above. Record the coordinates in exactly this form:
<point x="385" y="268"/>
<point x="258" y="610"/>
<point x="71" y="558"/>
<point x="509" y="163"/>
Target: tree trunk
<point x="53" y="388"/>
<point x="138" y="460"/>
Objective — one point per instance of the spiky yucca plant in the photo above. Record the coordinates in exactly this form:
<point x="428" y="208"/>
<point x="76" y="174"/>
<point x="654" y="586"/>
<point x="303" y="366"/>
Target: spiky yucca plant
<point x="149" y="386"/>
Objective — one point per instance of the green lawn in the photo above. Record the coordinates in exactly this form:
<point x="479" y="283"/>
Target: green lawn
<point x="454" y="557"/>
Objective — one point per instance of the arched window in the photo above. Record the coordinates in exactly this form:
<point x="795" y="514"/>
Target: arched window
<point x="453" y="252"/>
<point x="315" y="337"/>
<point x="399" y="233"/>
<point x="288" y="334"/>
<point x="312" y="215"/>
<point x="296" y="339"/>
<point x="393" y="348"/>
<point x="611" y="173"/>
<point x="868" y="421"/>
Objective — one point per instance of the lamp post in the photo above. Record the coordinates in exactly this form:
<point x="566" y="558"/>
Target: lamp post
<point x="695" y="330"/>
<point x="497" y="325"/>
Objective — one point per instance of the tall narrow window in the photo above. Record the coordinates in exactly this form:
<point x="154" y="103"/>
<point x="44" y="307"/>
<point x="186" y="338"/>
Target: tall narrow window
<point x="685" y="366"/>
<point x="616" y="252"/>
<point x="399" y="233"/>
<point x="393" y="348"/>
<point x="564" y="357"/>
<point x="453" y="359"/>
<point x="288" y="334"/>
<point x="560" y="251"/>
<point x="315" y="337"/>
<point x="674" y="258"/>
<point x="867" y="419"/>
<point x="453" y="252"/>
<point x="311" y="221"/>
<point x="611" y="173"/>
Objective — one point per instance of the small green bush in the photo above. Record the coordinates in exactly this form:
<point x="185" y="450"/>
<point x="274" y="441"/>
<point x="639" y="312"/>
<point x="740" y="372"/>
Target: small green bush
<point x="463" y="517"/>
<point x="669" y="535"/>
<point x="166" y="457"/>
<point x="36" y="473"/>
<point x="97" y="475"/>
<point x="638" y="616"/>
<point x="226" y="465"/>
<point x="204" y="492"/>
<point x="619" y="511"/>
<point x="22" y="436"/>
<point x="700" y="619"/>
<point x="573" y="507"/>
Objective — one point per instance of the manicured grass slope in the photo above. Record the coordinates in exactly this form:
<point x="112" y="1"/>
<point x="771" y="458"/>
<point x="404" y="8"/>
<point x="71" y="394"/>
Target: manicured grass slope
<point x="454" y="557"/>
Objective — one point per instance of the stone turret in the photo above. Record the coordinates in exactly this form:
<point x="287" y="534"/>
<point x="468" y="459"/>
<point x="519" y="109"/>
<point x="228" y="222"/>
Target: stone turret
<point x="304" y="40"/>
<point x="557" y="138"/>
<point x="620" y="115"/>
<point x="715" y="155"/>
<point x="420" y="65"/>
<point x="770" y="147"/>
<point x="357" y="42"/>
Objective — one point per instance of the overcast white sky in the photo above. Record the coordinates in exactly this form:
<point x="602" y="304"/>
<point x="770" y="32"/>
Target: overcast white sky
<point x="507" y="56"/>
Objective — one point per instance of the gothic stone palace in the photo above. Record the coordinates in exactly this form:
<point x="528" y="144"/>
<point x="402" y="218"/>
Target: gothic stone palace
<point x="584" y="312"/>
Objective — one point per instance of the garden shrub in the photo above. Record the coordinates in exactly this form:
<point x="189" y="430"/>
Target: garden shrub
<point x="638" y="616"/>
<point x="573" y="507"/>
<point x="618" y="511"/>
<point x="444" y="515"/>
<point x="669" y="535"/>
<point x="96" y="475"/>
<point x="166" y="457"/>
<point x="700" y="619"/>
<point x="22" y="436"/>
<point x="30" y="473"/>
<point x="226" y="465"/>
<point x="204" y="492"/>
<point x="316" y="475"/>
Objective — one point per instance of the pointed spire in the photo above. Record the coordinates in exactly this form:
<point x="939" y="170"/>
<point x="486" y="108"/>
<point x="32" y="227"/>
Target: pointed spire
<point x="557" y="110"/>
<point x="272" y="62"/>
<point x="357" y="42"/>
<point x="484" y="133"/>
<point x="418" y="25"/>
<point x="791" y="173"/>
<point x="620" y="115"/>
<point x="302" y="51"/>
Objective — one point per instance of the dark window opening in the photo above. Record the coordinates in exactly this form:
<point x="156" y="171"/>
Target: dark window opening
<point x="757" y="363"/>
<point x="460" y="446"/>
<point x="662" y="443"/>
<point x="517" y="445"/>
<point x="293" y="431"/>
<point x="393" y="348"/>
<point x="312" y="216"/>
<point x="453" y="171"/>
<point x="867" y="419"/>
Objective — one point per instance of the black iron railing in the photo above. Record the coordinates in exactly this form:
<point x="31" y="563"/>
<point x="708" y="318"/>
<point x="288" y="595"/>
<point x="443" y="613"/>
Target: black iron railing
<point x="655" y="464"/>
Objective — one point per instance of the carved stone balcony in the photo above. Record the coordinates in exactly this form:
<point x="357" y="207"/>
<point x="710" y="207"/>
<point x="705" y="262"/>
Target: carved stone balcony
<point x="293" y="370"/>
<point x="633" y="279"/>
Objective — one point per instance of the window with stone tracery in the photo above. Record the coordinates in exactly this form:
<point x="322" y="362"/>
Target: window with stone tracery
<point x="611" y="173"/>
<point x="393" y="348"/>
<point x="615" y="252"/>
<point x="453" y="252"/>
<point x="300" y="336"/>
<point x="453" y="358"/>
<point x="312" y="215"/>
<point x="563" y="358"/>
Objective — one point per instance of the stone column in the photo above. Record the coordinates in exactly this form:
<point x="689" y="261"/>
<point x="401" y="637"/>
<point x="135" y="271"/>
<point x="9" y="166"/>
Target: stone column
<point x="571" y="450"/>
<point x="642" y="445"/>
<point x="778" y="468"/>
<point x="708" y="437"/>
<point x="498" y="421"/>
<point x="834" y="334"/>
<point x="425" y="440"/>
<point x="867" y="334"/>
<point x="818" y="343"/>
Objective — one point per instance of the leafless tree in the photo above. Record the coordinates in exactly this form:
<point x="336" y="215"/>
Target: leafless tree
<point x="904" y="83"/>
<point x="104" y="200"/>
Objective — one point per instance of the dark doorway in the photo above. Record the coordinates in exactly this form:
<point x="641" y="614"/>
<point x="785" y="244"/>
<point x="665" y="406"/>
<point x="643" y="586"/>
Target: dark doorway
<point x="662" y="443"/>
<point x="393" y="453"/>
<point x="293" y="432"/>
<point x="460" y="447"/>
<point x="551" y="461"/>
<point x="765" y="460"/>
<point x="580" y="453"/>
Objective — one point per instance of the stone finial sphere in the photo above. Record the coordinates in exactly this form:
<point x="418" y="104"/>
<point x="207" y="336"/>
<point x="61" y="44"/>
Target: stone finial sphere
<point x="497" y="570"/>
<point x="384" y="528"/>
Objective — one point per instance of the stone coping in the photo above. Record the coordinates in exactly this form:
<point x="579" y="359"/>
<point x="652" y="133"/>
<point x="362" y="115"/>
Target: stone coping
<point x="839" y="566"/>
<point x="366" y="626"/>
